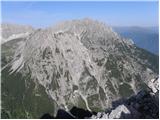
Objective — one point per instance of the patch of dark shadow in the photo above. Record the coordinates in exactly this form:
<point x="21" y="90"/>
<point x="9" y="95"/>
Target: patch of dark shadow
<point x="111" y="62"/>
<point x="100" y="62"/>
<point x="140" y="84"/>
<point x="142" y="105"/>
<point x="39" y="29"/>
<point x="143" y="86"/>
<point x="67" y="75"/>
<point x="116" y="103"/>
<point x="102" y="94"/>
<point x="77" y="37"/>
<point x="91" y="66"/>
<point x="128" y="78"/>
<point x="67" y="96"/>
<point x="46" y="53"/>
<point x="138" y="77"/>
<point x="58" y="75"/>
<point x="57" y="50"/>
<point x="95" y="59"/>
<point x="60" y="69"/>
<point x="4" y="61"/>
<point x="92" y="48"/>
<point x="80" y="113"/>
<point x="144" y="67"/>
<point x="91" y="84"/>
<point x="60" y="33"/>
<point x="66" y="43"/>
<point x="75" y="87"/>
<point x="110" y="87"/>
<point x="66" y="64"/>
<point x="103" y="49"/>
<point x="68" y="50"/>
<point x="62" y="55"/>
<point x="47" y="77"/>
<point x="124" y="48"/>
<point x="74" y="113"/>
<point x="83" y="75"/>
<point x="62" y="114"/>
<point x="55" y="36"/>
<point x="116" y="74"/>
<point x="45" y="72"/>
<point x="5" y="114"/>
<point x="101" y="40"/>
<point x="47" y="116"/>
<point x="86" y="69"/>
<point x="54" y="84"/>
<point x="119" y="58"/>
<point x="86" y="41"/>
<point x="18" y="56"/>
<point x="120" y="47"/>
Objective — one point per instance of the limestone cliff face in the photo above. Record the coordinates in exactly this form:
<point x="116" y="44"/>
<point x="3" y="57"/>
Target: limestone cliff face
<point x="83" y="63"/>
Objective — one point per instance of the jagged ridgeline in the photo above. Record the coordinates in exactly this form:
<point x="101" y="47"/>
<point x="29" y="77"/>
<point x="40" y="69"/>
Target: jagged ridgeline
<point x="81" y="63"/>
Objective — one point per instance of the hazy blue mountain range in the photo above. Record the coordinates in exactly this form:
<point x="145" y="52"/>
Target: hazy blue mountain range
<point x="144" y="37"/>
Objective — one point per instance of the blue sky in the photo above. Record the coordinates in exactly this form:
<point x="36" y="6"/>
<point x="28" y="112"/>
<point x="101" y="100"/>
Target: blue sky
<point x="43" y="14"/>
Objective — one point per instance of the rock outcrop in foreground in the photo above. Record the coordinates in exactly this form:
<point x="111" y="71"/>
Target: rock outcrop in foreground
<point x="143" y="105"/>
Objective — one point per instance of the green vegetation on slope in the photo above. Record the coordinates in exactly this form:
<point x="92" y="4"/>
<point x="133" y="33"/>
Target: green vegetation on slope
<point x="20" y="99"/>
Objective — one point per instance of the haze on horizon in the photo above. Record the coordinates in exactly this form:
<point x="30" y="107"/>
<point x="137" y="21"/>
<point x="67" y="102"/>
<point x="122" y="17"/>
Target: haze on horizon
<point x="43" y="14"/>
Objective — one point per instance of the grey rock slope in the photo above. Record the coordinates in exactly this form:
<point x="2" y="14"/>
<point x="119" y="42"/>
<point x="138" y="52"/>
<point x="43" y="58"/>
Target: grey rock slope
<point x="81" y="63"/>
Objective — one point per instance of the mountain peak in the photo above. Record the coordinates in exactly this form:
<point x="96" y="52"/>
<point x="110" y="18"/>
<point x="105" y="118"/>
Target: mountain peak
<point x="80" y="63"/>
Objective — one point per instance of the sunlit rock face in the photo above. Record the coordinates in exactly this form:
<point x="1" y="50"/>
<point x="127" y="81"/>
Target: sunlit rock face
<point x="81" y="63"/>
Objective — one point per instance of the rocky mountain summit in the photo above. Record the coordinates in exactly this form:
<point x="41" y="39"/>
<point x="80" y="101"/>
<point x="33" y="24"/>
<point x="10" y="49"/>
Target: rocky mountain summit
<point x="81" y="63"/>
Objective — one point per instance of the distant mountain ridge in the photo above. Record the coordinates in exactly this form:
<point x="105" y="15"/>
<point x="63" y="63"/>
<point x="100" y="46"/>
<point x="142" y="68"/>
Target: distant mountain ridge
<point x="13" y="31"/>
<point x="144" y="37"/>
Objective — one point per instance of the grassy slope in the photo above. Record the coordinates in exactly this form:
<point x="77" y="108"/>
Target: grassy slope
<point x="21" y="101"/>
